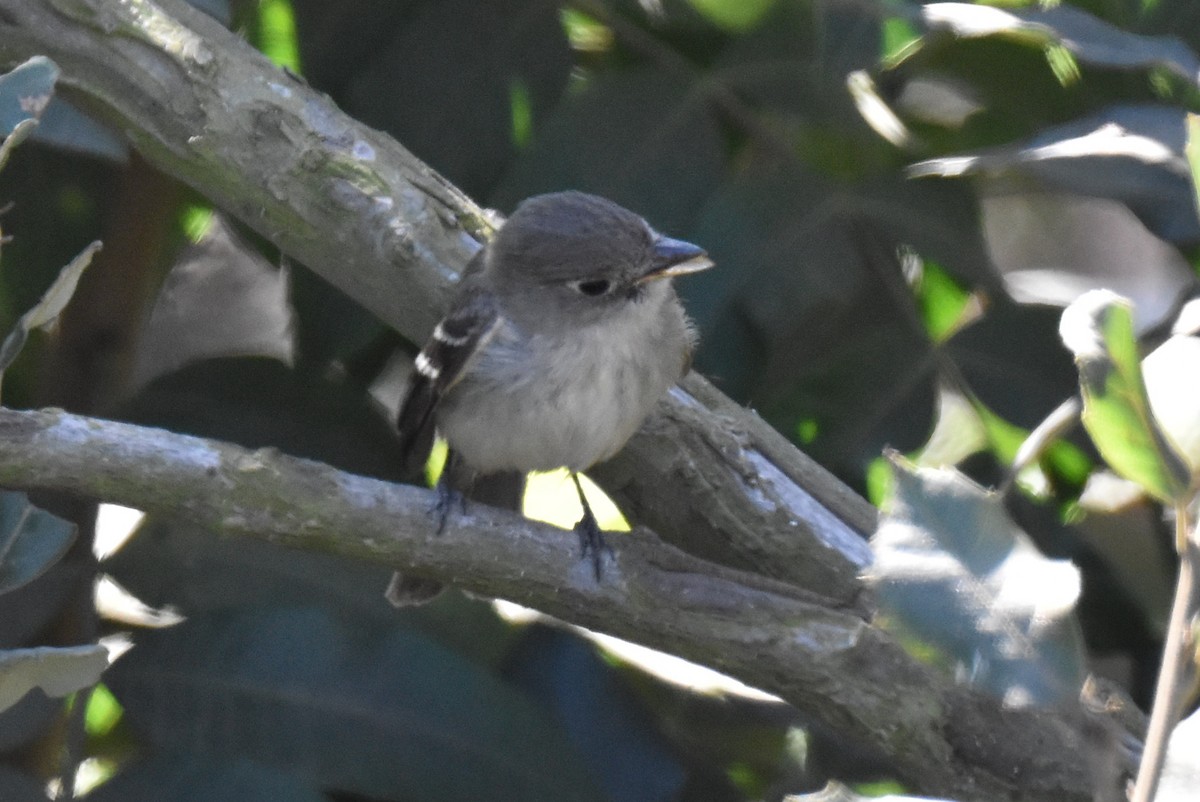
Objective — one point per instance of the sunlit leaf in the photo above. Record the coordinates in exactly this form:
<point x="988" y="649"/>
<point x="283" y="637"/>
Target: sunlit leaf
<point x="1098" y="329"/>
<point x="277" y="33"/>
<point x="1131" y="153"/>
<point x="103" y="712"/>
<point x="25" y="92"/>
<point x="1181" y="773"/>
<point x="942" y="301"/>
<point x="60" y="292"/>
<point x="955" y="571"/>
<point x="56" y="670"/>
<point x="220" y="298"/>
<point x="874" y="792"/>
<point x="1170" y="373"/>
<point x="1086" y="37"/>
<point x="47" y="310"/>
<point x="1192" y="150"/>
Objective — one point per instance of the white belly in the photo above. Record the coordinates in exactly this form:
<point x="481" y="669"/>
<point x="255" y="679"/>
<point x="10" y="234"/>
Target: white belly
<point x="569" y="402"/>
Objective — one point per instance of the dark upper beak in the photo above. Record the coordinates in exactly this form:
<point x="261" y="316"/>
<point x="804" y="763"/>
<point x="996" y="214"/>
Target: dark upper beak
<point x="673" y="257"/>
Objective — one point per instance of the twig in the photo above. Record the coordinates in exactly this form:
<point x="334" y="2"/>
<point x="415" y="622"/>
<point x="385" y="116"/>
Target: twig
<point x="1168" y="693"/>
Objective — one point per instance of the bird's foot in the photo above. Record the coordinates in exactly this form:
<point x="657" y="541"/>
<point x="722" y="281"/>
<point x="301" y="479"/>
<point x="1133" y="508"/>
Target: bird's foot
<point x="447" y="498"/>
<point x="592" y="543"/>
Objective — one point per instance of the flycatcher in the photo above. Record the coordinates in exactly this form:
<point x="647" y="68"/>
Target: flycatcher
<point x="564" y="333"/>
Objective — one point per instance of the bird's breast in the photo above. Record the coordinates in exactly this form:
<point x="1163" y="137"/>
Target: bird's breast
<point x="539" y="401"/>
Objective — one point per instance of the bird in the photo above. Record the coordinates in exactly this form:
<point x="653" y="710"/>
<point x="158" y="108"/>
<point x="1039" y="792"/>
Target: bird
<point x="563" y="333"/>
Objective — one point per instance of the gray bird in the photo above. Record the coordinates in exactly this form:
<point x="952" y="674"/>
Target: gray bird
<point x="564" y="333"/>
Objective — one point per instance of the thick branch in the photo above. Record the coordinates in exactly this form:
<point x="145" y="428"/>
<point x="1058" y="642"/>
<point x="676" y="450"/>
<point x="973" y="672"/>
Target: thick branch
<point x="831" y="664"/>
<point x="360" y="210"/>
<point x="364" y="213"/>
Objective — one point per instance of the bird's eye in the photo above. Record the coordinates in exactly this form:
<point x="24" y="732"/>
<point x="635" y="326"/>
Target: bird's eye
<point x="592" y="287"/>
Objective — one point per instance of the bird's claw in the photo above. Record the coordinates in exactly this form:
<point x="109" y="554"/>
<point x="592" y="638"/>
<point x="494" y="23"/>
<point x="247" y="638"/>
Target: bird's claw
<point x="592" y="543"/>
<point x="447" y="498"/>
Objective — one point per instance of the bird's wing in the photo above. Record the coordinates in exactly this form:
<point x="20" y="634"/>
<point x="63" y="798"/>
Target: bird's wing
<point x="471" y="322"/>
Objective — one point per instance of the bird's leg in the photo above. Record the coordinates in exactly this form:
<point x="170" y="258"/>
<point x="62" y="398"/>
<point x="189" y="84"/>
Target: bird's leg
<point x="447" y="494"/>
<point x="591" y="539"/>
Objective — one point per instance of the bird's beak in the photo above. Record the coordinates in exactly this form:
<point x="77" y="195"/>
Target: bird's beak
<point x="674" y="257"/>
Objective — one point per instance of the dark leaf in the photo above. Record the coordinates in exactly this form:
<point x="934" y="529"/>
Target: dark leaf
<point x="31" y="540"/>
<point x="16" y="786"/>
<point x="1050" y="248"/>
<point x="1125" y="531"/>
<point x="259" y="402"/>
<point x="601" y="716"/>
<point x="184" y="777"/>
<point x="1011" y="361"/>
<point x="808" y="317"/>
<point x="169" y="563"/>
<point x="28" y="720"/>
<point x="67" y="128"/>
<point x="645" y="139"/>
<point x="472" y="69"/>
<point x="397" y="716"/>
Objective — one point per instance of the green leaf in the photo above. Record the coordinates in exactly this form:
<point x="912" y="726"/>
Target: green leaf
<point x="56" y="670"/>
<point x="941" y="300"/>
<point x="31" y="540"/>
<point x="277" y="33"/>
<point x="1098" y="329"/>
<point x="734" y="15"/>
<point x="1192" y="150"/>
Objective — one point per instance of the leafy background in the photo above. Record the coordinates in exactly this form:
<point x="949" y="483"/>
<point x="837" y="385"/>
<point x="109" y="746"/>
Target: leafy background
<point x="899" y="198"/>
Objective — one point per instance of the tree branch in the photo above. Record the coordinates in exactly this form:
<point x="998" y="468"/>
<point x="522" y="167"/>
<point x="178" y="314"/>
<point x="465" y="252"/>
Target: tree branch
<point x="829" y="663"/>
<point x="368" y="216"/>
<point x="365" y="214"/>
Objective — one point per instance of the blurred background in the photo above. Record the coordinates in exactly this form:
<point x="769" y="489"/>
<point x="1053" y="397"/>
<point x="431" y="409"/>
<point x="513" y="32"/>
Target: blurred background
<point x="900" y="200"/>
